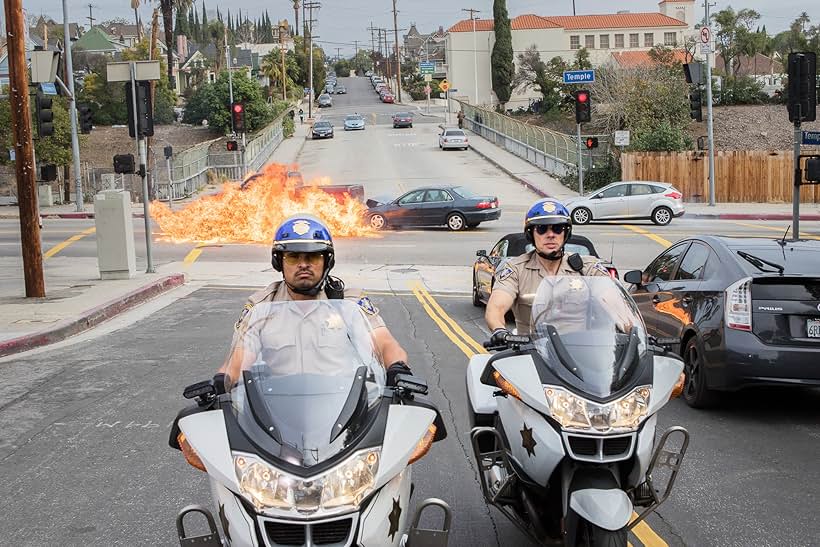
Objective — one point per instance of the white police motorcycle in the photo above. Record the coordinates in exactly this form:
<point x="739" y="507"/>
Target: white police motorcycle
<point x="564" y="419"/>
<point x="309" y="447"/>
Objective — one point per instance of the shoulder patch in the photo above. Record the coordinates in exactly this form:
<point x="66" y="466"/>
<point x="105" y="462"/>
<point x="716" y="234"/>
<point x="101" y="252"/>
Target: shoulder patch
<point x="600" y="267"/>
<point x="367" y="306"/>
<point x="245" y="311"/>
<point x="505" y="272"/>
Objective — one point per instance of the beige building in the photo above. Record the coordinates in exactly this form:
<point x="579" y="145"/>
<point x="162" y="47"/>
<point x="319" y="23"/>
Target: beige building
<point x="560" y="36"/>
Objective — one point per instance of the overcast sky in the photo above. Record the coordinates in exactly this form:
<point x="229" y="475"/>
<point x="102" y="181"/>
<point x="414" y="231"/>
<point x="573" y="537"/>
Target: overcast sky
<point x="340" y="22"/>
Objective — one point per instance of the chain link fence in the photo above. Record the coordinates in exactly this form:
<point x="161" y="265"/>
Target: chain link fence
<point x="552" y="151"/>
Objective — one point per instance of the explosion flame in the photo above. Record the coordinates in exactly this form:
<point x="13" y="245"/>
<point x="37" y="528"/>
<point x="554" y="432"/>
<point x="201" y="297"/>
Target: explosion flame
<point x="253" y="214"/>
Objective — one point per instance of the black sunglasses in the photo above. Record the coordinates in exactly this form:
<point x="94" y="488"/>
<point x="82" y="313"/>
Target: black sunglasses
<point x="556" y="228"/>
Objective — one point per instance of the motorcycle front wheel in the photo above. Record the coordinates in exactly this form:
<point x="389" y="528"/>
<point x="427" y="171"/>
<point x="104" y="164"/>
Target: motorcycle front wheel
<point x="590" y="535"/>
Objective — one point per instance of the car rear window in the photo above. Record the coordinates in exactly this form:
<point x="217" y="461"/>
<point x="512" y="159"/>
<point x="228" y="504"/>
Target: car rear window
<point x="402" y="114"/>
<point x="463" y="192"/>
<point x="454" y="133"/>
<point x="795" y="260"/>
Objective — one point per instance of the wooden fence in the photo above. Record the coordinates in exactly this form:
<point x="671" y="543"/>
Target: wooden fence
<point x="740" y="176"/>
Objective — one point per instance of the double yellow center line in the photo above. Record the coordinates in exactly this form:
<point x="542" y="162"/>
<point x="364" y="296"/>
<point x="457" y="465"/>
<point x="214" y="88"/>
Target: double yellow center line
<point x="463" y="341"/>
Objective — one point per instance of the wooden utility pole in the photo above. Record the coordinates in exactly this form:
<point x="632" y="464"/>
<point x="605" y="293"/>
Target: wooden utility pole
<point x="398" y="59"/>
<point x="153" y="87"/>
<point x="24" y="150"/>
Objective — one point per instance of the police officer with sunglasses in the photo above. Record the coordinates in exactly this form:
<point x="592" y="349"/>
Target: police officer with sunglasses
<point x="548" y="228"/>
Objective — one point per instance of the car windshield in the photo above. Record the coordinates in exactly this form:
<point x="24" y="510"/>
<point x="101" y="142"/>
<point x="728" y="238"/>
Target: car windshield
<point x="354" y="118"/>
<point x="309" y="379"/>
<point x="321" y="125"/>
<point x="589" y="333"/>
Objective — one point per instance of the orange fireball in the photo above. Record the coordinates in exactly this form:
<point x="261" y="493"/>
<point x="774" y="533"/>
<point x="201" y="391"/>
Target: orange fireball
<point x="253" y="214"/>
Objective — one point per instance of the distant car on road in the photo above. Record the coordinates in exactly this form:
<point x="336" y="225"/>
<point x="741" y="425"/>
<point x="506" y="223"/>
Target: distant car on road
<point x="354" y="122"/>
<point x="657" y="201"/>
<point x="322" y="130"/>
<point x="388" y="98"/>
<point x="453" y="138"/>
<point x="740" y="311"/>
<point x="402" y="119"/>
<point x="325" y="101"/>
<point x="511" y="246"/>
<point x="341" y="90"/>
<point x="453" y="206"/>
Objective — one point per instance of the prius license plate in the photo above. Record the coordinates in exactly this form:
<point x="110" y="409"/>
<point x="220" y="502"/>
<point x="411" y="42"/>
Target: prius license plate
<point x="813" y="328"/>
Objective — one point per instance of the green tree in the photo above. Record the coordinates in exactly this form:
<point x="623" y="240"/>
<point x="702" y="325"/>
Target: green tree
<point x="342" y="67"/>
<point x="503" y="68"/>
<point x="55" y="149"/>
<point x="167" y="8"/>
<point x="212" y="102"/>
<point x="732" y="35"/>
<point x="362" y="62"/>
<point x="545" y="78"/>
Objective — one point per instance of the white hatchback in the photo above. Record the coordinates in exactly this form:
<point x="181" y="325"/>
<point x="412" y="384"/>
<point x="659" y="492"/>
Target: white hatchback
<point x="658" y="201"/>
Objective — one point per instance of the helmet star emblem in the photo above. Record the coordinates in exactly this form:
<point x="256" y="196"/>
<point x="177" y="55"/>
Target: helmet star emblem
<point x="301" y="227"/>
<point x="549" y="207"/>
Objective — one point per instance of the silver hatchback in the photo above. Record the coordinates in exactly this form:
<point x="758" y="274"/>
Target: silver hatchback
<point x="659" y="202"/>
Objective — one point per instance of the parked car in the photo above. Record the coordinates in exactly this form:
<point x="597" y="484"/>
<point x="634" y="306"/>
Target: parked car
<point x="402" y="119"/>
<point x="388" y="98"/>
<point x="740" y="311"/>
<point x="453" y="138"/>
<point x="325" y="101"/>
<point x="322" y="130"/>
<point x="354" y="122"/>
<point x="453" y="206"/>
<point x="341" y="90"/>
<point x="511" y="246"/>
<point x="657" y="201"/>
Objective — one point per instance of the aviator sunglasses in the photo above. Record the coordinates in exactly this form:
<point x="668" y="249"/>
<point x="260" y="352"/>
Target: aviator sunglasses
<point x="555" y="228"/>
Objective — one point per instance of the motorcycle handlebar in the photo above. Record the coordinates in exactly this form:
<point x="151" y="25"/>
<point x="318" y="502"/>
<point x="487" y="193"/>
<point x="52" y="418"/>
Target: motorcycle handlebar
<point x="511" y="341"/>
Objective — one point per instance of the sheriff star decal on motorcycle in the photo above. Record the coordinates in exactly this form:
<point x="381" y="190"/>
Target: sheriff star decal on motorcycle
<point x="395" y="517"/>
<point x="224" y="521"/>
<point x="576" y="284"/>
<point x="367" y="306"/>
<point x="527" y="441"/>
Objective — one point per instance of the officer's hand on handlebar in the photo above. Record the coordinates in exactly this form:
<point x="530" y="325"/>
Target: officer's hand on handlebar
<point x="499" y="337"/>
<point x="399" y="367"/>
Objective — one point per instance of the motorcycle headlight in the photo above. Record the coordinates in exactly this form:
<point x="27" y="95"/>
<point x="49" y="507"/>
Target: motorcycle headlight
<point x="344" y="486"/>
<point x="574" y="412"/>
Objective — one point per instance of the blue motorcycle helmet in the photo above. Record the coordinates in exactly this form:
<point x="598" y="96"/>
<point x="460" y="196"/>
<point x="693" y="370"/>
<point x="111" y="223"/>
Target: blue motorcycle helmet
<point x="545" y="212"/>
<point x="304" y="234"/>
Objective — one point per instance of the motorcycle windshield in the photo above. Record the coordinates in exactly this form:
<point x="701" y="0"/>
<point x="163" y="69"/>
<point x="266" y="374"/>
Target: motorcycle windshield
<point x="308" y="377"/>
<point x="589" y="333"/>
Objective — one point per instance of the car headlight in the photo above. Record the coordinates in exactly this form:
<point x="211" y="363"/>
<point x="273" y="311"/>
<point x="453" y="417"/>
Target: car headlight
<point x="344" y="486"/>
<point x="574" y="412"/>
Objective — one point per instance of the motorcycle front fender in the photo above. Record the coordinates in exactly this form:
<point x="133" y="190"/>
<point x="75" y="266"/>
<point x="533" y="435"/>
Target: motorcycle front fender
<point x="609" y="509"/>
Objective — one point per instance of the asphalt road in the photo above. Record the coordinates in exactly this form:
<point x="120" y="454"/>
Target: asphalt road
<point x="84" y="451"/>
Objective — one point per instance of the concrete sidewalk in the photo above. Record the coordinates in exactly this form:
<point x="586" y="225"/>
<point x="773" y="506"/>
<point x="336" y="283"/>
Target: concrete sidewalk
<point x="547" y="186"/>
<point x="76" y="299"/>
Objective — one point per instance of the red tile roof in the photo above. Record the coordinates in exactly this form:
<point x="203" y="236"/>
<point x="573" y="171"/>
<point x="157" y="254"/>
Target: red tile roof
<point x="617" y="20"/>
<point x="576" y="22"/>
<point x="632" y="59"/>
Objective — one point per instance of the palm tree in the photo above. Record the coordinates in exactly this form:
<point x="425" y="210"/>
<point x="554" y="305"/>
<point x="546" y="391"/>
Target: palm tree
<point x="168" y="7"/>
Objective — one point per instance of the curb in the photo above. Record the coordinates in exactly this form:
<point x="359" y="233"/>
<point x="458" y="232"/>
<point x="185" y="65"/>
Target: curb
<point x="521" y="180"/>
<point x="91" y="318"/>
<point x="751" y="216"/>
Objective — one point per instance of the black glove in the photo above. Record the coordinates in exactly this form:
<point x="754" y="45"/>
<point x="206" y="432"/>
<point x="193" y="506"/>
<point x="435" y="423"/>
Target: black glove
<point x="399" y="367"/>
<point x="219" y="383"/>
<point x="499" y="337"/>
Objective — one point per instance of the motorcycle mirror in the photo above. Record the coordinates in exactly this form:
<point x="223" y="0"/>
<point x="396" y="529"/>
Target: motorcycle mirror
<point x="412" y="384"/>
<point x="634" y="277"/>
<point x="199" y="389"/>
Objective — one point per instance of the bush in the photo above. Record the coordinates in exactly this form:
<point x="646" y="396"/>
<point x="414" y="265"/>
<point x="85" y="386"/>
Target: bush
<point x="661" y="137"/>
<point x="595" y="178"/>
<point x="212" y="102"/>
<point x="288" y="127"/>
<point x="742" y="90"/>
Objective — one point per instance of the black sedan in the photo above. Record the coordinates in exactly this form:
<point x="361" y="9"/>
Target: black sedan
<point x="453" y="206"/>
<point x="322" y="130"/>
<point x="741" y="312"/>
<point x="511" y="246"/>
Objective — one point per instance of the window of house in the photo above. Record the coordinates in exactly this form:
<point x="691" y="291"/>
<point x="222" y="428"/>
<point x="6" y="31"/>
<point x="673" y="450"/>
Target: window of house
<point x="633" y="40"/>
<point x="589" y="41"/>
<point x="574" y="42"/>
<point x="648" y="39"/>
<point x="603" y="41"/>
<point x="619" y="41"/>
<point x="670" y="39"/>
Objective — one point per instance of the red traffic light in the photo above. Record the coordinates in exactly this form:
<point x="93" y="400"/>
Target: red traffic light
<point x="232" y="146"/>
<point x="582" y="96"/>
<point x="592" y="142"/>
<point x="238" y="107"/>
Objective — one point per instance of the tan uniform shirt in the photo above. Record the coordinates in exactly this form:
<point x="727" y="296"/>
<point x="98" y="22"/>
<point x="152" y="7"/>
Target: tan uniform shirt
<point x="278" y="292"/>
<point x="522" y="276"/>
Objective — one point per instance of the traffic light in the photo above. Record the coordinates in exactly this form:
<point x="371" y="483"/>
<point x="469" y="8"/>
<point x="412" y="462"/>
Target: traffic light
<point x="232" y="146"/>
<point x="45" y="116"/>
<point x="695" y="105"/>
<point x="124" y="164"/>
<point x="591" y="142"/>
<point x="84" y="114"/>
<point x="238" y="114"/>
<point x="583" y="106"/>
<point x="802" y="102"/>
<point x="145" y="116"/>
<point x="48" y="172"/>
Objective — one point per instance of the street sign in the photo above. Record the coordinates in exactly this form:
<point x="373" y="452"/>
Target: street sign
<point x="144" y="70"/>
<point x="579" y="76"/>
<point x="48" y="88"/>
<point x="12" y="154"/>
<point x="622" y="138"/>
<point x="444" y="85"/>
<point x="705" y="35"/>
<point x="428" y="77"/>
<point x="428" y="90"/>
<point x="706" y="49"/>
<point x="811" y="137"/>
<point x="427" y="67"/>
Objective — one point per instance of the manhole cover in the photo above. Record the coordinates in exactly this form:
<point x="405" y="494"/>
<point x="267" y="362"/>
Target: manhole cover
<point x="405" y="270"/>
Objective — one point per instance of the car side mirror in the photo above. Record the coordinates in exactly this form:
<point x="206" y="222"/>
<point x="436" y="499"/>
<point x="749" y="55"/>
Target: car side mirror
<point x="482" y="252"/>
<point x="634" y="277"/>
